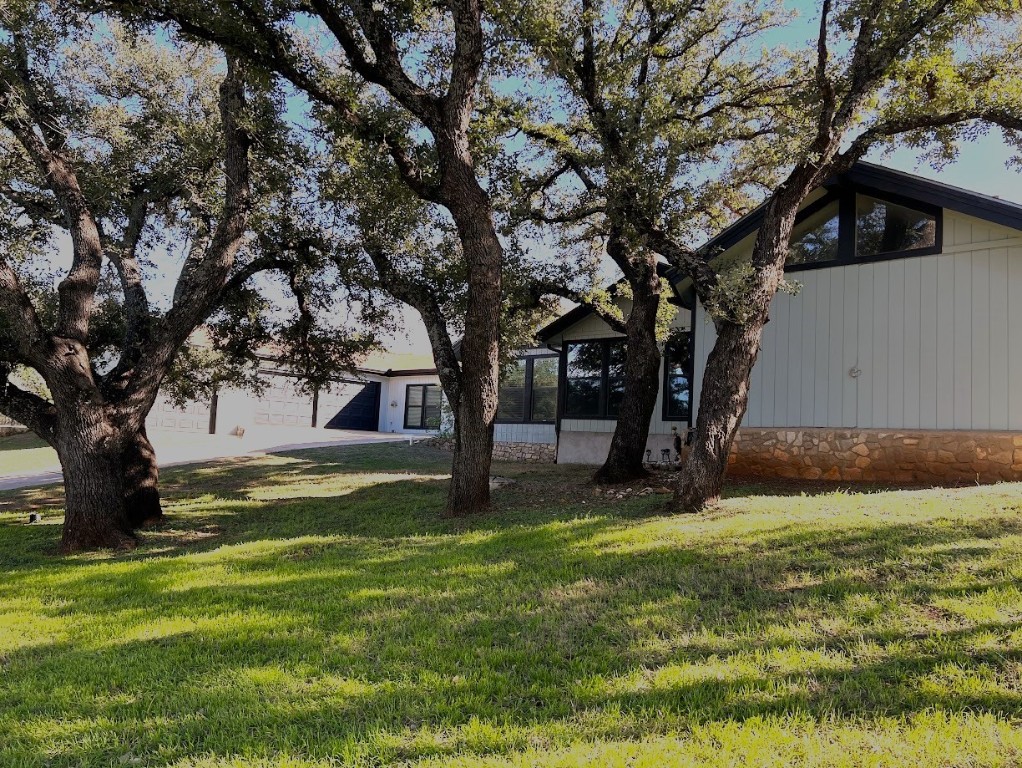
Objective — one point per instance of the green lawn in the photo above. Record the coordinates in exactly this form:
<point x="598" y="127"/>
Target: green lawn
<point x="25" y="453"/>
<point x="312" y="610"/>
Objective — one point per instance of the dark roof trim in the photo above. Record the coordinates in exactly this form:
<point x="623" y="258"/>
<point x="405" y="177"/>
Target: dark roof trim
<point x="992" y="209"/>
<point x="877" y="179"/>
<point x="564" y="322"/>
<point x="391" y="373"/>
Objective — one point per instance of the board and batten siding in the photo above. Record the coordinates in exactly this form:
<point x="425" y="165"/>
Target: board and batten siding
<point x="937" y="341"/>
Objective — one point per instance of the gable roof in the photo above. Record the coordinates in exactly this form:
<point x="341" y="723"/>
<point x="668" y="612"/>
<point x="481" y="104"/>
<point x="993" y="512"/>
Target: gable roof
<point x="870" y="177"/>
<point x="866" y="177"/>
<point x="581" y="312"/>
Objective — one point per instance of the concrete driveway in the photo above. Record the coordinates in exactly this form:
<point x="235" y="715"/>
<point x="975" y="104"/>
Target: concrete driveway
<point x="175" y="449"/>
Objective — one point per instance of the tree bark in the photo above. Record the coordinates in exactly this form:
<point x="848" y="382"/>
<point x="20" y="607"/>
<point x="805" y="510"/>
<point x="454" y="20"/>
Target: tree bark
<point x="725" y="387"/>
<point x="469" y="491"/>
<point x="476" y="408"/>
<point x="642" y="384"/>
<point x="141" y="482"/>
<point x="722" y="404"/>
<point x="95" y="511"/>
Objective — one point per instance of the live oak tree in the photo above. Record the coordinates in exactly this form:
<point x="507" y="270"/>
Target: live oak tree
<point x="881" y="71"/>
<point x="95" y="420"/>
<point x="406" y="83"/>
<point x="660" y="121"/>
<point x="132" y="155"/>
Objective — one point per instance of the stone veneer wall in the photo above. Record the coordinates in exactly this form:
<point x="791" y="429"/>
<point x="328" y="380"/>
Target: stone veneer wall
<point x="527" y="452"/>
<point x="886" y="455"/>
<point x="533" y="452"/>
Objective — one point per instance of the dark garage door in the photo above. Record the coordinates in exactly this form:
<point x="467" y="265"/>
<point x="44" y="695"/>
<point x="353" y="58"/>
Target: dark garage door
<point x="360" y="411"/>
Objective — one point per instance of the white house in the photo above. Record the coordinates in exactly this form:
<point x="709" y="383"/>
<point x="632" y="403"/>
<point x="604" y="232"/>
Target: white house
<point x="899" y="358"/>
<point x="387" y="393"/>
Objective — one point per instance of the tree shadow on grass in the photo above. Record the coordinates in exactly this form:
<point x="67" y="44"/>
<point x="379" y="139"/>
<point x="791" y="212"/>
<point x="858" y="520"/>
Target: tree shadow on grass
<point x="359" y="625"/>
<point x="387" y="638"/>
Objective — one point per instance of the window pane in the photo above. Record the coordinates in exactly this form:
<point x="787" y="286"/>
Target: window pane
<point x="882" y="227"/>
<point x="544" y="389"/>
<point x="582" y="397"/>
<point x="678" y="357"/>
<point x="585" y="370"/>
<point x="585" y="360"/>
<point x="816" y="238"/>
<point x="678" y="353"/>
<point x="615" y="376"/>
<point x="414" y="397"/>
<point x="413" y="419"/>
<point x="678" y="393"/>
<point x="511" y="395"/>
<point x="433" y="399"/>
<point x="615" y="393"/>
<point x="413" y="407"/>
<point x="616" y="359"/>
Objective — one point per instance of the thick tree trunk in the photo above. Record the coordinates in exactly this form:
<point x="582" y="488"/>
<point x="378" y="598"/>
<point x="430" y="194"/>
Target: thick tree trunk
<point x="141" y="482"/>
<point x="722" y="404"/>
<point x="476" y="407"/>
<point x="469" y="491"/>
<point x="642" y="383"/>
<point x="725" y="386"/>
<point x="95" y="511"/>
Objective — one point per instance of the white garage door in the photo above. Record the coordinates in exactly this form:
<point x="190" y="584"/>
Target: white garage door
<point x="282" y="404"/>
<point x="193" y="417"/>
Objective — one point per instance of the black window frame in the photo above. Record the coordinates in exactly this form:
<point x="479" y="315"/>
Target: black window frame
<point x="562" y="400"/>
<point x="527" y="411"/>
<point x="847" y="215"/>
<point x="422" y="426"/>
<point x="689" y="372"/>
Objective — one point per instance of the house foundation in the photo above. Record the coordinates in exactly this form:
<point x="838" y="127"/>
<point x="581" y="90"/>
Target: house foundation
<point x="902" y="456"/>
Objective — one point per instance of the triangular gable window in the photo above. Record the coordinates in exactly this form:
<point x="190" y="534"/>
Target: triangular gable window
<point x="882" y="227"/>
<point x="847" y="227"/>
<point x="815" y="239"/>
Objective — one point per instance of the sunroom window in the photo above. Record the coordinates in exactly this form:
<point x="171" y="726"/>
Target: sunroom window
<point x="595" y="382"/>
<point x="584" y="379"/>
<point x="528" y="390"/>
<point x="677" y="367"/>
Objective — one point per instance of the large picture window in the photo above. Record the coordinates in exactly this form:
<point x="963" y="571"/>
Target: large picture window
<point x="544" y="388"/>
<point x="594" y="383"/>
<point x="528" y="390"/>
<point x="678" y="373"/>
<point x="422" y="406"/>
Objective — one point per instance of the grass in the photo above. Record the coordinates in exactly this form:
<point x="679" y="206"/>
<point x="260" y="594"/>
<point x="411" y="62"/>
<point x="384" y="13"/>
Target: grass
<point x="310" y="609"/>
<point x="25" y="453"/>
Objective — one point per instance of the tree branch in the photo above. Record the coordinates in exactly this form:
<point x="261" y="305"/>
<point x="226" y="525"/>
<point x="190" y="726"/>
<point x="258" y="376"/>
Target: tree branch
<point x="27" y="408"/>
<point x="422" y="297"/>
<point x="204" y="274"/>
<point x="22" y="112"/>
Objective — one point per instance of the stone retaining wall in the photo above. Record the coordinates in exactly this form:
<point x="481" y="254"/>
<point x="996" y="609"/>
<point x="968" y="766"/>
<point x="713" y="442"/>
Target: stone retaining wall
<point x="918" y="456"/>
<point x="542" y="453"/>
